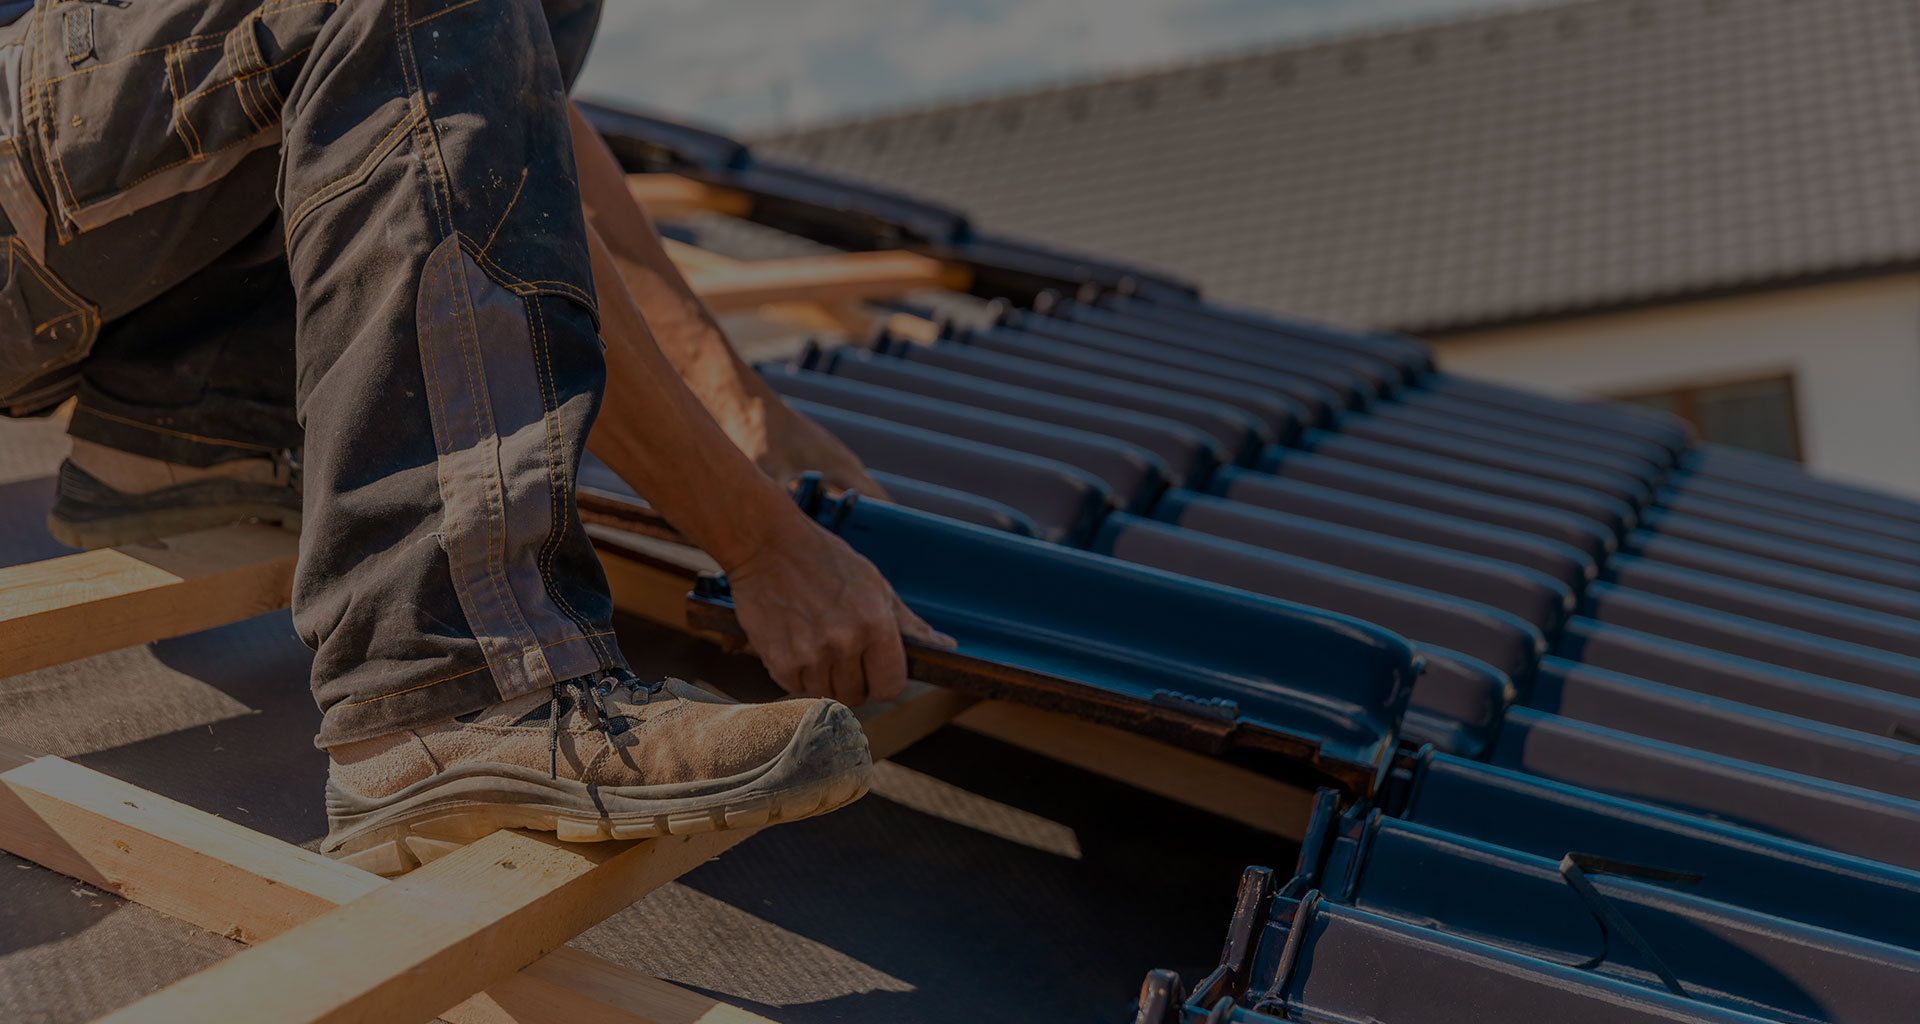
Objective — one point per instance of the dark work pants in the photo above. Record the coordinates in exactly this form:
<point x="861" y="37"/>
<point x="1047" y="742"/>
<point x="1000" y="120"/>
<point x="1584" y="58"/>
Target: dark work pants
<point x="243" y="226"/>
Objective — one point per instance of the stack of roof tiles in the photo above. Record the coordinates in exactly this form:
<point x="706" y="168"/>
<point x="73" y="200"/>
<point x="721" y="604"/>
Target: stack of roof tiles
<point x="1659" y="760"/>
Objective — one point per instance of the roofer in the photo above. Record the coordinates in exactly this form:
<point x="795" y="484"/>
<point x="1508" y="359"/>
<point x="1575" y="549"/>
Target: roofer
<point x="324" y="263"/>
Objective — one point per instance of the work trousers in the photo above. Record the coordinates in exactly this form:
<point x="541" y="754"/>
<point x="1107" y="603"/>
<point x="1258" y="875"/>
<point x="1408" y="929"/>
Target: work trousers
<point x="349" y="229"/>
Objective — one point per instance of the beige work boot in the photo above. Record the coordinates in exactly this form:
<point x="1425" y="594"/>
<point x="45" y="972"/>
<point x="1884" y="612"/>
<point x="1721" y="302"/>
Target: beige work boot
<point x="107" y="497"/>
<point x="618" y="761"/>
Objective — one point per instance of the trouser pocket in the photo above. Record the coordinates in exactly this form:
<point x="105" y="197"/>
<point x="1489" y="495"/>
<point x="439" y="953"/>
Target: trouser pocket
<point x="152" y="100"/>
<point x="45" y="331"/>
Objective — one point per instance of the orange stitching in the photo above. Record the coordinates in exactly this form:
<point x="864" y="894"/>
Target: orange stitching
<point x="456" y="556"/>
<point x="342" y="184"/>
<point x="471" y="671"/>
<point x="471" y="356"/>
<point x="426" y="18"/>
<point x="60" y="164"/>
<point x="556" y="475"/>
<point x="47" y="278"/>
<point x="90" y="69"/>
<point x="62" y="318"/>
<point x="270" y="90"/>
<point x="430" y="155"/>
<point x="251" y="106"/>
<point x="179" y="48"/>
<point x="521" y="286"/>
<point x="245" y="98"/>
<point x="76" y="306"/>
<point x="437" y="408"/>
<point x="439" y="195"/>
<point x="89" y="410"/>
<point x="245" y="34"/>
<point x="223" y="83"/>
<point x="41" y="95"/>
<point x="192" y="144"/>
<point x="495" y="491"/>
<point x="508" y="211"/>
<point x="168" y="167"/>
<point x="177" y="84"/>
<point x="276" y="8"/>
<point x="28" y="85"/>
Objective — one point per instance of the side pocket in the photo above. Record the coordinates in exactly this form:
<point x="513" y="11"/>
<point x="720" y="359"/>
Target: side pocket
<point x="45" y="332"/>
<point x="158" y="109"/>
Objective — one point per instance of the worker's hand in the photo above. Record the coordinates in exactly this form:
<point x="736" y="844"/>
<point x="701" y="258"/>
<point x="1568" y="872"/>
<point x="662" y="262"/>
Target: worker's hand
<point x="822" y="619"/>
<point x="797" y="445"/>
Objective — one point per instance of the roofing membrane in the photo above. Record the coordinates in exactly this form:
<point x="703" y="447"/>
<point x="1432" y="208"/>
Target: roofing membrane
<point x="1660" y="762"/>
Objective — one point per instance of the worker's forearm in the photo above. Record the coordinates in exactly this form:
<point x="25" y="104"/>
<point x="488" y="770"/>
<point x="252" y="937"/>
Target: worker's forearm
<point x="662" y="441"/>
<point x="680" y="324"/>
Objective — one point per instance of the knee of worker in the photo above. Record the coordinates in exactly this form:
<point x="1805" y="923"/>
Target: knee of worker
<point x="523" y="364"/>
<point x="469" y="140"/>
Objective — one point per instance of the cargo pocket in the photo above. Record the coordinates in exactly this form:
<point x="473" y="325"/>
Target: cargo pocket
<point x="223" y="94"/>
<point x="45" y="332"/>
<point x="134" y="124"/>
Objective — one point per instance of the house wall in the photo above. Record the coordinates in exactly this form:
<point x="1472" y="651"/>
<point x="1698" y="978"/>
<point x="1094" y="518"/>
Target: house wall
<point x="1853" y="349"/>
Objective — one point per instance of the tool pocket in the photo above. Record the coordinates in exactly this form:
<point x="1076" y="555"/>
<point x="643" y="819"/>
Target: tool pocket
<point x="223" y="92"/>
<point x="45" y="331"/>
<point x="146" y="103"/>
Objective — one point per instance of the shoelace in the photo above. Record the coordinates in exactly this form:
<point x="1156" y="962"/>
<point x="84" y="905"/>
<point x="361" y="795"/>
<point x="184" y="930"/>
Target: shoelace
<point x="598" y="695"/>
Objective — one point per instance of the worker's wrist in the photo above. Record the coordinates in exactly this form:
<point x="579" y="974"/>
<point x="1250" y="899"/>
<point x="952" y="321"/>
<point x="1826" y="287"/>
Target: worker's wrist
<point x="765" y="518"/>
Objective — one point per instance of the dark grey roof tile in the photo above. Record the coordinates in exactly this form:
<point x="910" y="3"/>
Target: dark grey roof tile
<point x="1553" y="159"/>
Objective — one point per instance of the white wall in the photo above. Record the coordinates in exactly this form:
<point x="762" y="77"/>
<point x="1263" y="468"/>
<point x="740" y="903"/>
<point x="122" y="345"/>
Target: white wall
<point x="1852" y="347"/>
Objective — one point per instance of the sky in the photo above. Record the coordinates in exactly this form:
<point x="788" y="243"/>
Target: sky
<point x="749" y="64"/>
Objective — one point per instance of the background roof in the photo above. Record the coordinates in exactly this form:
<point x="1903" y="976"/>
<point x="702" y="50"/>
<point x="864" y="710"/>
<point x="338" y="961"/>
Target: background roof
<point x="1531" y="164"/>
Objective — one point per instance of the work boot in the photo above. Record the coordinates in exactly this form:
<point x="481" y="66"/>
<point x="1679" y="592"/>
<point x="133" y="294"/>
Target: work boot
<point x="591" y="761"/>
<point x="108" y="497"/>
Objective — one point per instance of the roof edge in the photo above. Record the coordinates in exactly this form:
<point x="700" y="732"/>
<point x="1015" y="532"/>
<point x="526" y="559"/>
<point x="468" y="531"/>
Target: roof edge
<point x="1440" y="331"/>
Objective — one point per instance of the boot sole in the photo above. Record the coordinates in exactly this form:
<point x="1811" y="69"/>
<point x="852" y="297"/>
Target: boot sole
<point x="144" y="527"/>
<point x="824" y="766"/>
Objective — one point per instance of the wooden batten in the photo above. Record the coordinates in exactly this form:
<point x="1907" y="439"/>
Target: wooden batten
<point x="414" y="947"/>
<point x="225" y="878"/>
<point x="822" y="279"/>
<point x="68" y="608"/>
<point x="671" y="195"/>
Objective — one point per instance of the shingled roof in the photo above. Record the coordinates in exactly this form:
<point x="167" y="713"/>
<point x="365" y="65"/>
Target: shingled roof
<point x="1527" y="165"/>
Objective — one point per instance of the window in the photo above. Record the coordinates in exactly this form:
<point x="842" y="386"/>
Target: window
<point x="1758" y="415"/>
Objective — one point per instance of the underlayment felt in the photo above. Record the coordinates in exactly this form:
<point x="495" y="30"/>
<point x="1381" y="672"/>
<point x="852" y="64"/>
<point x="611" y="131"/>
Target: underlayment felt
<point x="995" y="885"/>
